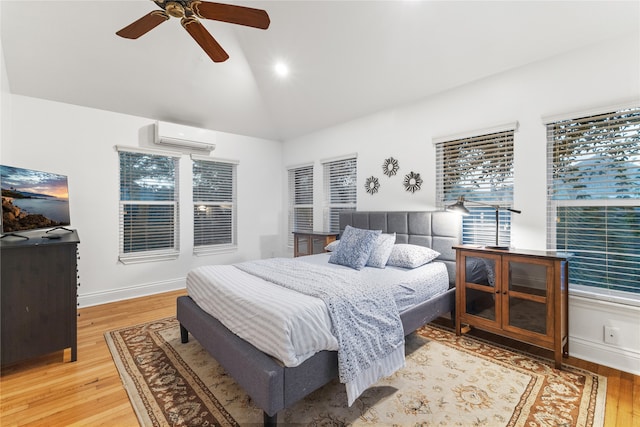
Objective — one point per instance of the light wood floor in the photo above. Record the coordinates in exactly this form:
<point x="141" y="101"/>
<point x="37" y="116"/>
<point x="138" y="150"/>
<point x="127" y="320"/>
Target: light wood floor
<point x="53" y="392"/>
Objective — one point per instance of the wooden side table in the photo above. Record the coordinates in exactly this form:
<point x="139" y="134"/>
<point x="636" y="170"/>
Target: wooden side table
<point x="520" y="294"/>
<point x="311" y="242"/>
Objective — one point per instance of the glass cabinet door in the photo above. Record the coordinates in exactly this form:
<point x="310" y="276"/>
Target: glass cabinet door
<point x="318" y="244"/>
<point x="527" y="290"/>
<point x="480" y="287"/>
<point x="303" y="241"/>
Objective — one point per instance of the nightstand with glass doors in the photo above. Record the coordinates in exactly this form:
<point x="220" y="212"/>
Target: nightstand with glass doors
<point x="520" y="294"/>
<point x="311" y="242"/>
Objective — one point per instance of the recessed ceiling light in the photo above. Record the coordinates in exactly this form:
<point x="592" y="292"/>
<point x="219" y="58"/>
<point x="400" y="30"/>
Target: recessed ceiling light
<point x="281" y="69"/>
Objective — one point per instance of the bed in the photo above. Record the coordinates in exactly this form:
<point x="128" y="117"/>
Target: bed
<point x="272" y="385"/>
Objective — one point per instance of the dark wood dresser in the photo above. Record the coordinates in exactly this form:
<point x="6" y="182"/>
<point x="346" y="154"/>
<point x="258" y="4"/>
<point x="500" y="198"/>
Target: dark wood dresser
<point x="38" y="295"/>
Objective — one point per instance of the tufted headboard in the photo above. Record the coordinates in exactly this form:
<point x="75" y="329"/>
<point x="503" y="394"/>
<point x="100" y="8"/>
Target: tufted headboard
<point x="438" y="230"/>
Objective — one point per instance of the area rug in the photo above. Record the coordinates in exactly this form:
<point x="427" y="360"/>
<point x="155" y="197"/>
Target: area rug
<point x="447" y="381"/>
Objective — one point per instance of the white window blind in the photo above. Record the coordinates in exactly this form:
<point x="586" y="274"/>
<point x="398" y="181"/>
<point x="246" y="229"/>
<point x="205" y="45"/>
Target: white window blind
<point x="148" y="206"/>
<point x="340" y="177"/>
<point x="480" y="169"/>
<point x="214" y="205"/>
<point x="300" y="200"/>
<point x="593" y="199"/>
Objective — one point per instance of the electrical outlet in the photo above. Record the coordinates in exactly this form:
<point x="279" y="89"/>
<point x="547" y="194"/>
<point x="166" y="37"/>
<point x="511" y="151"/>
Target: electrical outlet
<point x="611" y="335"/>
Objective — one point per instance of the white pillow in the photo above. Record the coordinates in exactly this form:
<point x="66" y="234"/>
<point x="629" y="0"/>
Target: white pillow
<point x="381" y="251"/>
<point x="411" y="256"/>
<point x="332" y="246"/>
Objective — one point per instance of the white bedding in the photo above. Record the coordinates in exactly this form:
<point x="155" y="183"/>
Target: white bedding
<point x="286" y="324"/>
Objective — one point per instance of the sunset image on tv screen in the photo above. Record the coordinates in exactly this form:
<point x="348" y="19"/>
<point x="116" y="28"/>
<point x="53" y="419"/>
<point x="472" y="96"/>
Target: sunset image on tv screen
<point x="33" y="199"/>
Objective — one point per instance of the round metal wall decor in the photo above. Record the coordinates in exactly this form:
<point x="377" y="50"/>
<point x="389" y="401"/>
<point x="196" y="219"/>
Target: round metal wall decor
<point x="412" y="182"/>
<point x="372" y="185"/>
<point x="390" y="167"/>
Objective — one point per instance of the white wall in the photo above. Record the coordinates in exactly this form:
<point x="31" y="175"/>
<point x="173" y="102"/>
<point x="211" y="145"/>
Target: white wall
<point x="592" y="77"/>
<point x="79" y="142"/>
<point x="5" y="103"/>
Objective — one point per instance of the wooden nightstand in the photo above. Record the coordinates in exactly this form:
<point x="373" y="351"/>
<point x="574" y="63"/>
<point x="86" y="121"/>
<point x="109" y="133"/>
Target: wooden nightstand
<point x="520" y="294"/>
<point x="311" y="242"/>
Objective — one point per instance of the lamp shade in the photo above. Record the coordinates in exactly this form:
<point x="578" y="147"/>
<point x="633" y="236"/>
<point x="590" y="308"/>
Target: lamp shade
<point x="458" y="207"/>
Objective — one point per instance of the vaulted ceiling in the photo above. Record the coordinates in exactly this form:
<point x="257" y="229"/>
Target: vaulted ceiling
<point x="346" y="58"/>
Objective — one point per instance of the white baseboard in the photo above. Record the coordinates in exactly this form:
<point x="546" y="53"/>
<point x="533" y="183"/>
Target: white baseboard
<point x="621" y="359"/>
<point x="587" y="319"/>
<point x="96" y="298"/>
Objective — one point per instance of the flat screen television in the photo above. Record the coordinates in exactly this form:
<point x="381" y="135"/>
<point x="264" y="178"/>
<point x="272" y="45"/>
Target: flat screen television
<point x="33" y="200"/>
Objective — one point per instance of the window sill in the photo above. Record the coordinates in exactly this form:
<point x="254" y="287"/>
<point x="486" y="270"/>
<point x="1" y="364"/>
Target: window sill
<point x="213" y="250"/>
<point x="617" y="297"/>
<point x="137" y="259"/>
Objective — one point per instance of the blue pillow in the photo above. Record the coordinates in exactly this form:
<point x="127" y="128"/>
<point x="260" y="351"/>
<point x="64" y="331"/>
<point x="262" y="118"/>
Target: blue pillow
<point x="355" y="247"/>
<point x="381" y="250"/>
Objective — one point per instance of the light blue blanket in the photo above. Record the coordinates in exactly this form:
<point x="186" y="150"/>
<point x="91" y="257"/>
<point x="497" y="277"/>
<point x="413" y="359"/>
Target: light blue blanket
<point x="365" y="319"/>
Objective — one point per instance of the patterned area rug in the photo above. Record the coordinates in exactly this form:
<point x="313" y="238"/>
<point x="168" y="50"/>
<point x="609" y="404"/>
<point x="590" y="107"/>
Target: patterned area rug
<point x="447" y="381"/>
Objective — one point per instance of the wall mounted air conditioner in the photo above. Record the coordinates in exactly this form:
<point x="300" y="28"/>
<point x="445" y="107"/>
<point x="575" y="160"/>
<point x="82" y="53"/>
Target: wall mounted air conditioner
<point x="171" y="134"/>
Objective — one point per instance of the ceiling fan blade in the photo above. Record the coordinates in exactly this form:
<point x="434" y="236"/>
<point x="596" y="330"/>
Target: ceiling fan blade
<point x="143" y="25"/>
<point x="240" y="15"/>
<point x="204" y="39"/>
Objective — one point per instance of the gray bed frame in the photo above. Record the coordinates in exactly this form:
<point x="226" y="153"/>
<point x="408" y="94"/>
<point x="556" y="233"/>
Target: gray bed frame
<point x="274" y="387"/>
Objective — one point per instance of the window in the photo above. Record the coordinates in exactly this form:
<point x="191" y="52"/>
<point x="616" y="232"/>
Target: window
<point x="593" y="199"/>
<point x="148" y="206"/>
<point x="340" y="177"/>
<point x="214" y="204"/>
<point x="480" y="169"/>
<point x="300" y="200"/>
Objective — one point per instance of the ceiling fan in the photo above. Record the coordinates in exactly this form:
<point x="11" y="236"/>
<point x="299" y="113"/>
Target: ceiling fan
<point x="189" y="11"/>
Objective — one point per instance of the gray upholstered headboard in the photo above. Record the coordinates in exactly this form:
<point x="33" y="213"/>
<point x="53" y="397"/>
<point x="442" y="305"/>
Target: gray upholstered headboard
<point x="438" y="230"/>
